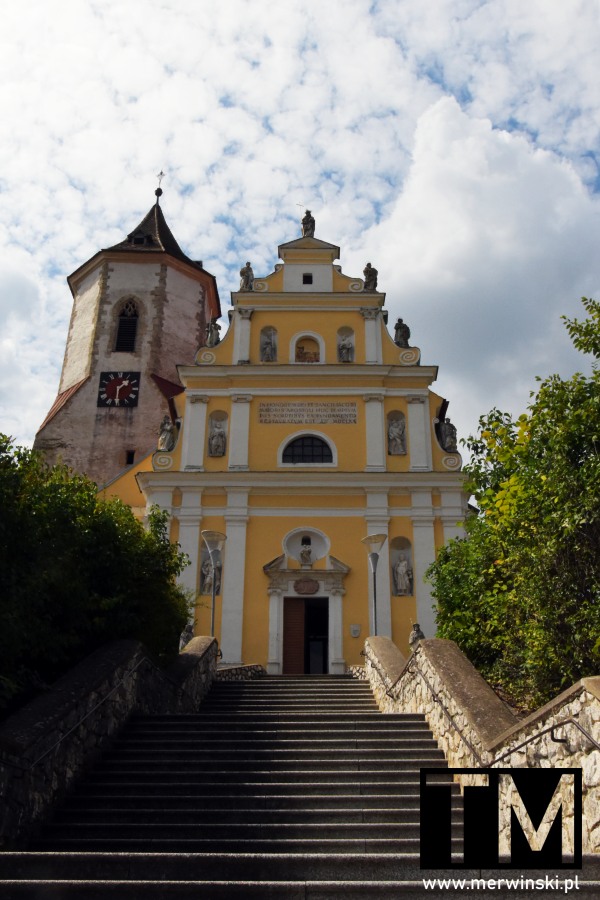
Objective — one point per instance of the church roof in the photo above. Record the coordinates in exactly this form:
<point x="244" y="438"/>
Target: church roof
<point x="154" y="234"/>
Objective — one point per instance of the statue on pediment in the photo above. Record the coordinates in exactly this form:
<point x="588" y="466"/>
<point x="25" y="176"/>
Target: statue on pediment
<point x="308" y="224"/>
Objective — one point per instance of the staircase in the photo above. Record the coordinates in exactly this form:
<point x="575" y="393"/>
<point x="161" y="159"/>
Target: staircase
<point x="292" y="787"/>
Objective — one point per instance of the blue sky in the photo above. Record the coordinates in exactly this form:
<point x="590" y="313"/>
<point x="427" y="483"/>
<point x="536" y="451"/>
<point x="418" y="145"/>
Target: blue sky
<point x="454" y="144"/>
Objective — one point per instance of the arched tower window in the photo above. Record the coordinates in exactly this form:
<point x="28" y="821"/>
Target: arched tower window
<point x="307" y="449"/>
<point x="127" y="328"/>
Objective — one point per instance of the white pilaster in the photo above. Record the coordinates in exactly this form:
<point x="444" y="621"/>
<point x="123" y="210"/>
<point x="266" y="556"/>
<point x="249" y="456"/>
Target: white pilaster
<point x="419" y="438"/>
<point x="189" y="515"/>
<point x="453" y="514"/>
<point x="275" y="659"/>
<point x="375" y="428"/>
<point x="240" y="430"/>
<point x="372" y="335"/>
<point x="234" y="567"/>
<point x="423" y="556"/>
<point x="194" y="432"/>
<point x="377" y="522"/>
<point x="241" y="341"/>
<point x="337" y="664"/>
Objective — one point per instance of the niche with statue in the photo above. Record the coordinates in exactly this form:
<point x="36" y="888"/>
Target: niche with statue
<point x="401" y="562"/>
<point x="217" y="434"/>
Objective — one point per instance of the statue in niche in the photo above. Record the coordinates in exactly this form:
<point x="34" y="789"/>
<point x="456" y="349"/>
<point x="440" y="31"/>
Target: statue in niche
<point x="208" y="573"/>
<point x="212" y="334"/>
<point x="397" y="437"/>
<point x="308" y="225"/>
<point x="448" y="436"/>
<point x="217" y="440"/>
<point x="246" y="278"/>
<point x="401" y="333"/>
<point x="166" y="435"/>
<point x="415" y="636"/>
<point x="370" y="274"/>
<point x="345" y="348"/>
<point x="306" y="556"/>
<point x="403" y="576"/>
<point x="268" y="351"/>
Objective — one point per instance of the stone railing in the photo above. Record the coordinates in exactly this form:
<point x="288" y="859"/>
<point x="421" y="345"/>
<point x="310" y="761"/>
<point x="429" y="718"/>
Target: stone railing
<point x="240" y="673"/>
<point x="55" y="738"/>
<point x="475" y="729"/>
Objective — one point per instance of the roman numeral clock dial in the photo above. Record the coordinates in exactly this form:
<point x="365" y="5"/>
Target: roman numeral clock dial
<point x="118" y="389"/>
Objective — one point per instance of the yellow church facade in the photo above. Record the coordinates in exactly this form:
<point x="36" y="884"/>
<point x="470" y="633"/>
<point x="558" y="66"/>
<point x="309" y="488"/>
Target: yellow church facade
<point x="305" y="429"/>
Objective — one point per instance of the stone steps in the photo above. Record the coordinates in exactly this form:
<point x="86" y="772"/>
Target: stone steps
<point x="278" y="788"/>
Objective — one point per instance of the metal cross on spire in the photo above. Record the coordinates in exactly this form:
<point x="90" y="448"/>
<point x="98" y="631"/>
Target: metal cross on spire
<point x="158" y="191"/>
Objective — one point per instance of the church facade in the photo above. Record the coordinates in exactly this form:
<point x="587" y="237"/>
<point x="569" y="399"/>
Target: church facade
<point x="307" y="428"/>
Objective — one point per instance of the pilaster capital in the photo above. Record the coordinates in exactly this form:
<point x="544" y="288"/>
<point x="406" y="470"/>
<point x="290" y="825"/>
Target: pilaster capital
<point x="368" y="398"/>
<point x="368" y="312"/>
<point x="245" y="312"/>
<point x="198" y="398"/>
<point x="415" y="398"/>
<point x="241" y="398"/>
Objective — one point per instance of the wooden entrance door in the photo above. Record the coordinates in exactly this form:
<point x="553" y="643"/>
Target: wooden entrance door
<point x="305" y="635"/>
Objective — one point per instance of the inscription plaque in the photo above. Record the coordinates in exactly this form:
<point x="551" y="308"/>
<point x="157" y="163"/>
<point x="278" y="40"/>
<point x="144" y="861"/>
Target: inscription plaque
<point x="307" y="413"/>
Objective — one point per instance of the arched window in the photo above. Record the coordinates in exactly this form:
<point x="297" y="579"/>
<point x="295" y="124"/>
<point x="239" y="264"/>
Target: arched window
<point x="127" y="328"/>
<point x="307" y="449"/>
<point x="307" y="350"/>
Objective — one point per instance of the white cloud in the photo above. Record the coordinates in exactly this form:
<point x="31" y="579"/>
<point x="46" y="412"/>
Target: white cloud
<point x="472" y="208"/>
<point x="494" y="240"/>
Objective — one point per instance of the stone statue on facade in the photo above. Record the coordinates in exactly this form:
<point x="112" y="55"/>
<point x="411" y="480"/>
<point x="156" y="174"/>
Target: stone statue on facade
<point x="415" y="636"/>
<point x="448" y="436"/>
<point x="345" y="348"/>
<point x="217" y="440"/>
<point x="306" y="556"/>
<point x="370" y="274"/>
<point x="397" y="437"/>
<point x="212" y="334"/>
<point x="403" y="576"/>
<point x="246" y="278"/>
<point x="166" y="435"/>
<point x="308" y="225"/>
<point x="208" y="573"/>
<point x="186" y="636"/>
<point x="401" y="333"/>
<point x="268" y="351"/>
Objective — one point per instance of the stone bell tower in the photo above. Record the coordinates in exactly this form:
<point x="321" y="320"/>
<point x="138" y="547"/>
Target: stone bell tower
<point x="140" y="308"/>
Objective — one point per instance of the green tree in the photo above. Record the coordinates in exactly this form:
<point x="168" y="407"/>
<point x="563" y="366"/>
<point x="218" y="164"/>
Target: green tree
<point x="521" y="593"/>
<point x="75" y="572"/>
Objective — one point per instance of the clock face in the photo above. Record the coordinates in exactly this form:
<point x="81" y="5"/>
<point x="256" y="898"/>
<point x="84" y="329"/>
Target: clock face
<point x="118" y="388"/>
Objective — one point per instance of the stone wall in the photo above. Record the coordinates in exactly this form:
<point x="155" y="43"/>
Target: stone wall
<point x="475" y="729"/>
<point x="240" y="673"/>
<point x="48" y="744"/>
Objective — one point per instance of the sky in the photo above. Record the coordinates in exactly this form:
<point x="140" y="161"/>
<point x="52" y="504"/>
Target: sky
<point x="454" y="144"/>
